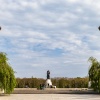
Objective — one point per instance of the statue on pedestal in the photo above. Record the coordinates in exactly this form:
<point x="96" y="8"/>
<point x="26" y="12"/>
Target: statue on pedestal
<point x="48" y="82"/>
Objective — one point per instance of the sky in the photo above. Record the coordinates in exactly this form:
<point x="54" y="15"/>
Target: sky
<point x="55" y="35"/>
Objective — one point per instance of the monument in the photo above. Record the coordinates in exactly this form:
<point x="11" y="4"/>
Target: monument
<point x="48" y="83"/>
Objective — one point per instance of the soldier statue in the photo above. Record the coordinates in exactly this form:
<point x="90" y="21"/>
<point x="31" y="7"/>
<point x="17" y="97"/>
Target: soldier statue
<point x="48" y="74"/>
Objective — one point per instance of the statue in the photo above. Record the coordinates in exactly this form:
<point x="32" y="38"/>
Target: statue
<point x="99" y="28"/>
<point x="48" y="74"/>
<point x="0" y="27"/>
<point x="48" y="83"/>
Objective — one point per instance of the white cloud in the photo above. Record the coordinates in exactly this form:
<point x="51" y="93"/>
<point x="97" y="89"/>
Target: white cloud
<point x="73" y="1"/>
<point x="48" y="34"/>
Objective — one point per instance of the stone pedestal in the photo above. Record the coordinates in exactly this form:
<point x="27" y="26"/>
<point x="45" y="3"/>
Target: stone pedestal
<point x="89" y="84"/>
<point x="1" y="91"/>
<point x="48" y="83"/>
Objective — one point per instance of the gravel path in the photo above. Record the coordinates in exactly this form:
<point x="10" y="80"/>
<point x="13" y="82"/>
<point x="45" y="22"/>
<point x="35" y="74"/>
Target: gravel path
<point x="51" y="97"/>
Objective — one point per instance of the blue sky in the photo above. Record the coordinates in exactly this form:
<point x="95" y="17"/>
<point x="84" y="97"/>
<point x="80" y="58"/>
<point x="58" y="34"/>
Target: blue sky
<point x="55" y="35"/>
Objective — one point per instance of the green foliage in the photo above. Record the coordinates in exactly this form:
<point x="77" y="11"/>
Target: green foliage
<point x="29" y="82"/>
<point x="94" y="74"/>
<point x="7" y="78"/>
<point x="58" y="82"/>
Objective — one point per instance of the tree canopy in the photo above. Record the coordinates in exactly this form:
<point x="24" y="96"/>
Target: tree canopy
<point x="94" y="74"/>
<point x="7" y="77"/>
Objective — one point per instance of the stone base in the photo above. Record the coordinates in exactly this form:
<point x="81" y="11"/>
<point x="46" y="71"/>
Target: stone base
<point x="48" y="83"/>
<point x="1" y="91"/>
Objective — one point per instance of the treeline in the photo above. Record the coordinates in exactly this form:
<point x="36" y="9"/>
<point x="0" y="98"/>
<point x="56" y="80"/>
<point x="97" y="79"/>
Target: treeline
<point x="58" y="82"/>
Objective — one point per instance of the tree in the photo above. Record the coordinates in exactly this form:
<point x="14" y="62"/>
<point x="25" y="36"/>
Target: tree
<point x="7" y="78"/>
<point x="94" y="74"/>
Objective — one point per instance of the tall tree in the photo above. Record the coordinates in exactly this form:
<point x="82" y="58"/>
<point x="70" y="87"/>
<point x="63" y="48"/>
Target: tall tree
<point x="7" y="77"/>
<point x="94" y="74"/>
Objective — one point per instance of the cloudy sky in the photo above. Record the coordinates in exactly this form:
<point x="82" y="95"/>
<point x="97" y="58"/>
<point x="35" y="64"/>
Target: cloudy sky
<point x="55" y="35"/>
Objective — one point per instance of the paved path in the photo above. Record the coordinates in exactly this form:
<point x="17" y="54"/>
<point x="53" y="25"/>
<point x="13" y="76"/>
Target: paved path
<point x="51" y="97"/>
